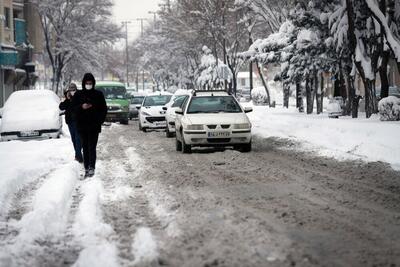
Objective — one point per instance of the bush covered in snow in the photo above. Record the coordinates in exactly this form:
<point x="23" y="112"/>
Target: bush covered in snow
<point x="259" y="96"/>
<point x="389" y="108"/>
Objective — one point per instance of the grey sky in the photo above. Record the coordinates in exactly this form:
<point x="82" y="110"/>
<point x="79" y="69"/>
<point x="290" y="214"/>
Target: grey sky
<point x="133" y="9"/>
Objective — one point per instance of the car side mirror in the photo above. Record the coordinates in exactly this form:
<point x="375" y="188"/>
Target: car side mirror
<point x="248" y="109"/>
<point x="179" y="111"/>
<point x="138" y="106"/>
<point x="165" y="108"/>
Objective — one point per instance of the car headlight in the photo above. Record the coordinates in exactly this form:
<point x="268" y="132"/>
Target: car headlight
<point x="145" y="113"/>
<point x="242" y="126"/>
<point x="195" y="127"/>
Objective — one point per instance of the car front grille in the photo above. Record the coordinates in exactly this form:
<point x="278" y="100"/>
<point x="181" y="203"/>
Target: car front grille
<point x="218" y="140"/>
<point x="113" y="108"/>
<point x="212" y="127"/>
<point x="154" y="119"/>
<point x="225" y="126"/>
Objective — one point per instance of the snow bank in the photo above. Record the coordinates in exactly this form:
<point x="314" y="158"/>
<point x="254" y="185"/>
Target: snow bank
<point x="345" y="138"/>
<point x="389" y="108"/>
<point x="50" y="205"/>
<point x="48" y="217"/>
<point x="259" y="96"/>
<point x="31" y="110"/>
<point x="91" y="231"/>
<point x="25" y="162"/>
<point x="144" y="247"/>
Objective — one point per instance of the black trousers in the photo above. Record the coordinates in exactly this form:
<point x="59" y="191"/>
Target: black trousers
<point x="89" y="143"/>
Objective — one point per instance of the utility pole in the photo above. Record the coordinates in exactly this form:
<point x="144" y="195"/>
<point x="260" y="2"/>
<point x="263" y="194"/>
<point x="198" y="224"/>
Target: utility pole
<point x="141" y="34"/>
<point x="125" y="23"/>
<point x="141" y="25"/>
<point x="155" y="19"/>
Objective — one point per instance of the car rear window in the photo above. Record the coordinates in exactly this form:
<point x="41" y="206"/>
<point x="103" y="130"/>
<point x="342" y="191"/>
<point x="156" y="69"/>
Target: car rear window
<point x="213" y="104"/>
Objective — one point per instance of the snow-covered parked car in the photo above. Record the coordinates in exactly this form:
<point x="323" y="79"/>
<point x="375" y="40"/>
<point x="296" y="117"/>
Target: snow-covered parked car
<point x="177" y="100"/>
<point x="335" y="107"/>
<point x="211" y="119"/>
<point x="151" y="112"/>
<point x="31" y="114"/>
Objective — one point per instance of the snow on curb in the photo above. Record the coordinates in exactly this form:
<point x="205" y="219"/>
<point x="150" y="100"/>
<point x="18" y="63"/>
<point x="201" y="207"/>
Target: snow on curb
<point x="144" y="247"/>
<point x="92" y="233"/>
<point x="345" y="138"/>
<point x="49" y="215"/>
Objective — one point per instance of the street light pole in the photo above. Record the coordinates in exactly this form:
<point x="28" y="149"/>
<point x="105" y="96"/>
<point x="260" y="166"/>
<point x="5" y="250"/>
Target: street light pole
<point x="125" y="23"/>
<point x="142" y="33"/>
<point x="155" y="18"/>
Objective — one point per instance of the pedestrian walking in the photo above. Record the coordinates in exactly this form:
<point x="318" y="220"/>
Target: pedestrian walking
<point x="70" y="119"/>
<point x="91" y="109"/>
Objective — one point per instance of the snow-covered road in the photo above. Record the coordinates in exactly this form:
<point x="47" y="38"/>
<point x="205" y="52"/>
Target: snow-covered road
<point x="149" y="205"/>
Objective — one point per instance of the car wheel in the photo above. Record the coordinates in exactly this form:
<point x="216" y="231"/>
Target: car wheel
<point x="186" y="149"/>
<point x="144" y="130"/>
<point x="178" y="145"/>
<point x="246" y="148"/>
<point x="168" y="133"/>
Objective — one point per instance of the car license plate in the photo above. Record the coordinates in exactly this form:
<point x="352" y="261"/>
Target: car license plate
<point x="219" y="134"/>
<point x="161" y="123"/>
<point x="29" y="133"/>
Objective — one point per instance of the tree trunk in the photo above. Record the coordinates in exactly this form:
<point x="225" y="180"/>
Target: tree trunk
<point x="299" y="97"/>
<point x="286" y="92"/>
<point x="309" y="96"/>
<point x="264" y="84"/>
<point x="320" y="95"/>
<point x="384" y="74"/>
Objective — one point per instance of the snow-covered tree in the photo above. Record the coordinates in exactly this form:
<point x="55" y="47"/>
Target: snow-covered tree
<point x="73" y="31"/>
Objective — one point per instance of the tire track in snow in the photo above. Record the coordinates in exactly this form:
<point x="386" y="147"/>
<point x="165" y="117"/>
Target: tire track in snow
<point x="40" y="240"/>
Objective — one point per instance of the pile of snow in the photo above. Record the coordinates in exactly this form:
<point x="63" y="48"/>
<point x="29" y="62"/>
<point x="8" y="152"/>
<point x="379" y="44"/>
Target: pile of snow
<point x="50" y="205"/>
<point x="389" y="108"/>
<point x="25" y="162"/>
<point x="28" y="110"/>
<point x="144" y="247"/>
<point x="345" y="138"/>
<point x="182" y="92"/>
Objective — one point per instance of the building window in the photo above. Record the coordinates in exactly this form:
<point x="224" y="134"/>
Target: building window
<point x="243" y="82"/>
<point x="7" y="15"/>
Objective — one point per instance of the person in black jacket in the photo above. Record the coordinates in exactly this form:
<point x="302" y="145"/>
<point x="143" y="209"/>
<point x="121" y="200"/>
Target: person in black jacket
<point x="70" y="119"/>
<point x="91" y="110"/>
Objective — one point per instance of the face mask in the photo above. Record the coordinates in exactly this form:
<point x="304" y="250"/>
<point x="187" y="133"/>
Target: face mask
<point x="72" y="93"/>
<point x="89" y="87"/>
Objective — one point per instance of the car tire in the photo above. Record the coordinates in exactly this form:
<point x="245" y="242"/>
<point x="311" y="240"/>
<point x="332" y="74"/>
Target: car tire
<point x="246" y="148"/>
<point x="144" y="130"/>
<point x="186" y="149"/>
<point x="178" y="145"/>
<point x="168" y="133"/>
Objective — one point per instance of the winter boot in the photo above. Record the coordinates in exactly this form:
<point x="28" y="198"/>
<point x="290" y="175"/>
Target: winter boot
<point x="91" y="172"/>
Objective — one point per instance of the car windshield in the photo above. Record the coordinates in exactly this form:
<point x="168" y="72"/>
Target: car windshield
<point x="113" y="92"/>
<point x="157" y="100"/>
<point x="179" y="101"/>
<point x="213" y="104"/>
<point x="137" y="100"/>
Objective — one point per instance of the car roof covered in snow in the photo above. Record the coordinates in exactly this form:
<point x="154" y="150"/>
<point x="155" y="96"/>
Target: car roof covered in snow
<point x="211" y="93"/>
<point x="109" y="83"/>
<point x="159" y="93"/>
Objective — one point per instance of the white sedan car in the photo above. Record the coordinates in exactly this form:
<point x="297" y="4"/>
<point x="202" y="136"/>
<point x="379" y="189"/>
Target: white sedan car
<point x="211" y="119"/>
<point x="177" y="100"/>
<point x="151" y="112"/>
<point x="30" y="114"/>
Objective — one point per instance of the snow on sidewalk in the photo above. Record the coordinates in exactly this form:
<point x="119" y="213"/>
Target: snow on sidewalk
<point x="25" y="162"/>
<point x="89" y="228"/>
<point x="344" y="138"/>
<point x="49" y="214"/>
